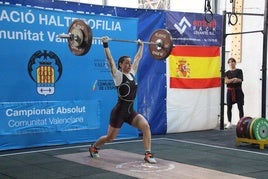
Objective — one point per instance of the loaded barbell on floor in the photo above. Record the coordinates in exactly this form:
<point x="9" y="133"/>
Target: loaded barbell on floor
<point x="80" y="40"/>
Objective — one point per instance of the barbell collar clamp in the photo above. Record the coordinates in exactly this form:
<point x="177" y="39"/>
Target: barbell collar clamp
<point x="66" y="36"/>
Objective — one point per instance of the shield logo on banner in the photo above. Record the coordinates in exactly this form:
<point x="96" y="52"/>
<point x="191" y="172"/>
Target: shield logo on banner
<point x="45" y="79"/>
<point x="45" y="69"/>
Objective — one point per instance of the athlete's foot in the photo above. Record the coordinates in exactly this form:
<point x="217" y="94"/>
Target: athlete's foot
<point x="94" y="152"/>
<point x="149" y="158"/>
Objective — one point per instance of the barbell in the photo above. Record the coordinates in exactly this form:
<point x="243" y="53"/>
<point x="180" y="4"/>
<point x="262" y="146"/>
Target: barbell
<point x="80" y="40"/>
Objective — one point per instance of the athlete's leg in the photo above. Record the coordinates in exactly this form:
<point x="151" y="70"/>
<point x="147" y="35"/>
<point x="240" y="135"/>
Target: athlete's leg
<point x="111" y="135"/>
<point x="141" y="123"/>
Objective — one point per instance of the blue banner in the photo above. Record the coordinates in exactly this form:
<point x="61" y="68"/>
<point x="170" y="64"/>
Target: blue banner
<point x="45" y="88"/>
<point x="40" y="117"/>
<point x="192" y="29"/>
<point x="37" y="65"/>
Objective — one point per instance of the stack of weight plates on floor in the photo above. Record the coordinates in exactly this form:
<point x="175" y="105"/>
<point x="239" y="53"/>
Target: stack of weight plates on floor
<point x="252" y="128"/>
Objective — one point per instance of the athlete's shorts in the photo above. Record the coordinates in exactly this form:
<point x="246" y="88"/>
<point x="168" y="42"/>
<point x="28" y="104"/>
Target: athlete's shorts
<point x="122" y="112"/>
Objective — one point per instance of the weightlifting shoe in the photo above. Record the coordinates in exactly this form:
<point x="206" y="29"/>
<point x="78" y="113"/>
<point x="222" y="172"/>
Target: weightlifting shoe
<point x="94" y="152"/>
<point x="228" y="125"/>
<point x="149" y="158"/>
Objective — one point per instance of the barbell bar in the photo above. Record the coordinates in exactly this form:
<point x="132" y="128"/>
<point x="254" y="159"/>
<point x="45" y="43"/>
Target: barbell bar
<point x="80" y="38"/>
<point x="76" y="38"/>
<point x="129" y="41"/>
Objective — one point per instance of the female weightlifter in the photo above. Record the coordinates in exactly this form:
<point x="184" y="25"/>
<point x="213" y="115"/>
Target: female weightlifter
<point x="124" y="79"/>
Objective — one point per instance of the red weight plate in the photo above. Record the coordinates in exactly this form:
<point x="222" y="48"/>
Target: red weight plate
<point x="242" y="127"/>
<point x="162" y="51"/>
<point x="82" y="37"/>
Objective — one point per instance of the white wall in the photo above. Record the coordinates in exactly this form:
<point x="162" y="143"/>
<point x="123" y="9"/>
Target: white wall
<point x="123" y="3"/>
<point x="252" y="58"/>
<point x="187" y="6"/>
<point x="252" y="48"/>
<point x="175" y="5"/>
<point x="116" y="3"/>
<point x="97" y="2"/>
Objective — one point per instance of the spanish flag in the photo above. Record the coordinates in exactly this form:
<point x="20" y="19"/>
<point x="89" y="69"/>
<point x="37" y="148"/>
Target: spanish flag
<point x="194" y="67"/>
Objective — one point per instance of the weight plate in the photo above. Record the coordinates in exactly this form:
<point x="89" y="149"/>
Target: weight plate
<point x="260" y="129"/>
<point x="81" y="39"/>
<point x="164" y="38"/>
<point x="251" y="136"/>
<point x="248" y="129"/>
<point x="242" y="127"/>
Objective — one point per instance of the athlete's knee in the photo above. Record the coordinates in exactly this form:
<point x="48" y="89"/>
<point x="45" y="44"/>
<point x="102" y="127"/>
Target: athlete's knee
<point x="110" y="139"/>
<point x="145" y="127"/>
